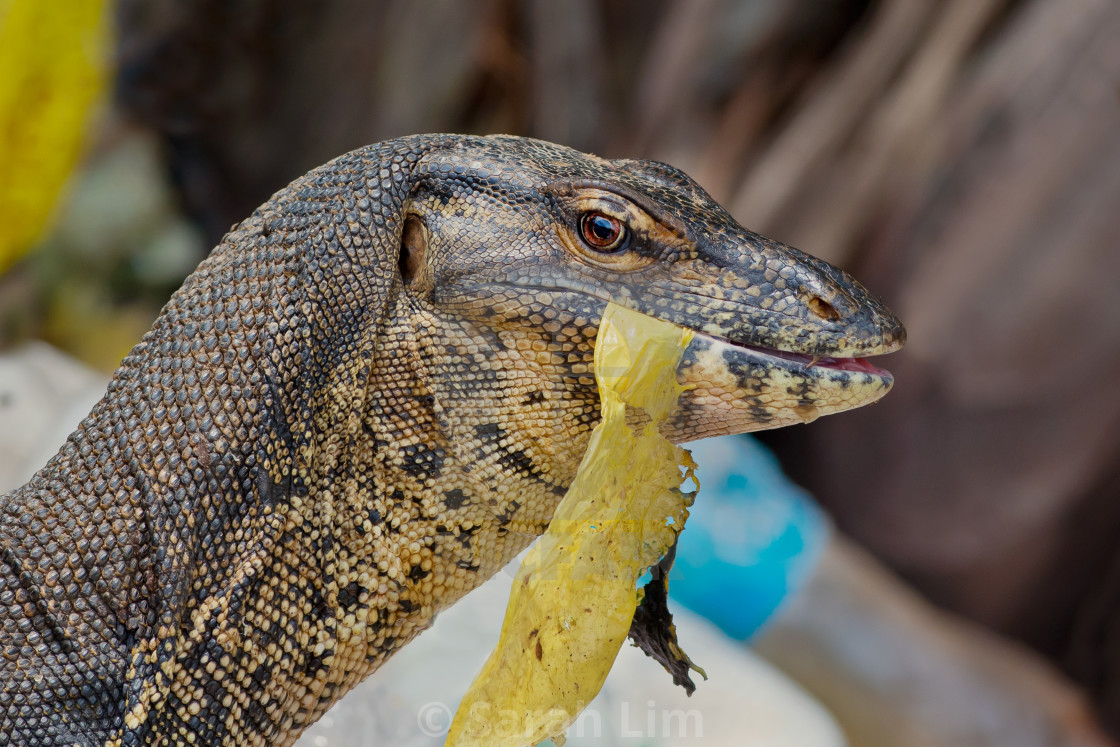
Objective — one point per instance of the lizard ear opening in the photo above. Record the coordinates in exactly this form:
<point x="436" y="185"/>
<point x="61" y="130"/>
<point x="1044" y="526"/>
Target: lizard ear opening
<point x="414" y="245"/>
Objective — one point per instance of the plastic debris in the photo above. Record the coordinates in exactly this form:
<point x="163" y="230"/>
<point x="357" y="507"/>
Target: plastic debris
<point x="53" y="57"/>
<point x="574" y="596"/>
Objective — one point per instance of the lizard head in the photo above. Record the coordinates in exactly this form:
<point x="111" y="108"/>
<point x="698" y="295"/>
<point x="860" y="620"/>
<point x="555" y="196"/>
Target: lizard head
<point x="528" y="241"/>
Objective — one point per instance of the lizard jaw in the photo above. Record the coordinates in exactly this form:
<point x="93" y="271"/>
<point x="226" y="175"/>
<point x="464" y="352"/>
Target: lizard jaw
<point x="734" y="388"/>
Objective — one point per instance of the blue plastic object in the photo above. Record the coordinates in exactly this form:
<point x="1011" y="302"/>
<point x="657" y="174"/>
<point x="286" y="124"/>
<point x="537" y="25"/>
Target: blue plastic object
<point x="752" y="538"/>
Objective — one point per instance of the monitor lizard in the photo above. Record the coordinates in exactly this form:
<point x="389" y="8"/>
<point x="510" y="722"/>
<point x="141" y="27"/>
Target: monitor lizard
<point x="364" y="402"/>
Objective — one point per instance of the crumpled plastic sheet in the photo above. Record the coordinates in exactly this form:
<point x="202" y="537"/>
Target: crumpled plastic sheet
<point x="574" y="596"/>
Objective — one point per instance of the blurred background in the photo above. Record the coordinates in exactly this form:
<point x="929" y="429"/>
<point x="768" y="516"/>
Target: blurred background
<point x="960" y="157"/>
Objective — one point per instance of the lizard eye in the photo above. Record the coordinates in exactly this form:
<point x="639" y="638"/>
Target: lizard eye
<point x="602" y="232"/>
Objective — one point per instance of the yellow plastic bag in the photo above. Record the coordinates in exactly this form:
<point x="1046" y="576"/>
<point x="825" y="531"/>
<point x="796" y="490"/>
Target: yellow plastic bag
<point x="574" y="596"/>
<point x="52" y="58"/>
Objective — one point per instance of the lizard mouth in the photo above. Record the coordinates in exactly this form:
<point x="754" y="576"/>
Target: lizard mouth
<point x="806" y="361"/>
<point x="738" y="387"/>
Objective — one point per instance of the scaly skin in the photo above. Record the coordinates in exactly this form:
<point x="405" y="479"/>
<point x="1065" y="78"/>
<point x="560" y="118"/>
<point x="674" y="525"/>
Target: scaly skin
<point x="366" y="401"/>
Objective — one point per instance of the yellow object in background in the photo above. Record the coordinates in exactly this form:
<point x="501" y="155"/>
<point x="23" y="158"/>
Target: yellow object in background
<point x="52" y="70"/>
<point x="574" y="596"/>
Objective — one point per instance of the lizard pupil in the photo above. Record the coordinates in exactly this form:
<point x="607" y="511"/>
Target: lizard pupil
<point x="602" y="232"/>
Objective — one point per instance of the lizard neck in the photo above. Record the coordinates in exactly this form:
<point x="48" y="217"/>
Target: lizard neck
<point x="413" y="487"/>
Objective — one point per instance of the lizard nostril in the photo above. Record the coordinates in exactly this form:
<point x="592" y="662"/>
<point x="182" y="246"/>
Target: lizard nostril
<point x="823" y="309"/>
